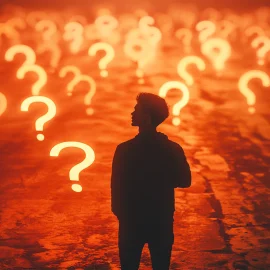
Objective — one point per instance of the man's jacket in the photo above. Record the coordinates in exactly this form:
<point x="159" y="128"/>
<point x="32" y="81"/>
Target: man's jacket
<point x="145" y="171"/>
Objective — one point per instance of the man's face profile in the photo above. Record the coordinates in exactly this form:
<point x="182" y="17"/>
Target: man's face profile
<point x="139" y="117"/>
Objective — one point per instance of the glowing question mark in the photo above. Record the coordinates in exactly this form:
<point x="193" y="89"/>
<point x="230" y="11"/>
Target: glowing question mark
<point x="75" y="171"/>
<point x="244" y="89"/>
<point x="226" y="28"/>
<point x="3" y="103"/>
<point x="250" y="31"/>
<point x="42" y="76"/>
<point x="106" y="24"/>
<point x="55" y="51"/>
<point x="90" y="94"/>
<point x="10" y="32"/>
<point x="179" y="105"/>
<point x="263" y="50"/>
<point x="48" y="28"/>
<point x="206" y="29"/>
<point x="185" y="35"/>
<point x="103" y="63"/>
<point x="63" y="72"/>
<point x="74" y="33"/>
<point x="43" y="119"/>
<point x="182" y="67"/>
<point x="224" y="51"/>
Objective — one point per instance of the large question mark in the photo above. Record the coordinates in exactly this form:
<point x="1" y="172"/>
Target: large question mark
<point x="75" y="171"/>
<point x="180" y="104"/>
<point x="224" y="51"/>
<point x="245" y="90"/>
<point x="186" y="61"/>
<point x="74" y="33"/>
<point x="263" y="50"/>
<point x="63" y="72"/>
<point x="104" y="61"/>
<point x="43" y="119"/>
<point x="3" y="103"/>
<point x="90" y="94"/>
<point x="42" y="76"/>
<point x="206" y="29"/>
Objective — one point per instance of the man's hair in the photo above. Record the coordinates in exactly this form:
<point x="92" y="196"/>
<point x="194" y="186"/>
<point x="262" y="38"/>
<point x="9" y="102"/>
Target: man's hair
<point x="155" y="106"/>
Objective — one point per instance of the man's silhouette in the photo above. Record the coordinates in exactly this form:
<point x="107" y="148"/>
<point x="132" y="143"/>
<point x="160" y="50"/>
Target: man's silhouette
<point x="145" y="171"/>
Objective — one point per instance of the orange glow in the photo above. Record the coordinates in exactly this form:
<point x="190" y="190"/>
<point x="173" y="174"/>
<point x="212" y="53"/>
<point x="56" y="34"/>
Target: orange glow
<point x="26" y="50"/>
<point x="184" y="63"/>
<point x="186" y="35"/>
<point x="206" y="29"/>
<point x="10" y="32"/>
<point x="263" y="50"/>
<point x="74" y="32"/>
<point x="35" y="16"/>
<point x="55" y="51"/>
<point x="47" y="27"/>
<point x="42" y="76"/>
<point x="106" y="24"/>
<point x="43" y="119"/>
<point x="250" y="31"/>
<point x="218" y="59"/>
<point x="17" y="22"/>
<point x="163" y="90"/>
<point x="246" y="91"/>
<point x="63" y="72"/>
<point x="75" y="171"/>
<point x="3" y="103"/>
<point x="104" y="61"/>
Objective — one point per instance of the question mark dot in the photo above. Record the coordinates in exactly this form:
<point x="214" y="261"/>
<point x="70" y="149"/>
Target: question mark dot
<point x="76" y="188"/>
<point x="40" y="137"/>
<point x="261" y="62"/>
<point x="176" y="121"/>
<point x="103" y="73"/>
<point x="141" y="81"/>
<point x="251" y="110"/>
<point x="69" y="94"/>
<point x="89" y="111"/>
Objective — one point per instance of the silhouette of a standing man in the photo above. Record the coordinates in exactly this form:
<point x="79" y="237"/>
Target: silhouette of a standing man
<point x="145" y="171"/>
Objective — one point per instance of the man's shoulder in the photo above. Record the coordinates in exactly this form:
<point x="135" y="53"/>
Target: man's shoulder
<point x="126" y="144"/>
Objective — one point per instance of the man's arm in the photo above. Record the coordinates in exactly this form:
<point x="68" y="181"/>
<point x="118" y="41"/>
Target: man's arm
<point x="183" y="173"/>
<point x="116" y="177"/>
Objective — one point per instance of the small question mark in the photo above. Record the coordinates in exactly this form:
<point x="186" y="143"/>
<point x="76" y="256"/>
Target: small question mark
<point x="180" y="104"/>
<point x="75" y="171"/>
<point x="42" y="76"/>
<point x="245" y="90"/>
<point x="35" y="16"/>
<point x="48" y="28"/>
<point x="250" y="31"/>
<point x="186" y="61"/>
<point x="90" y="94"/>
<point x="63" y="72"/>
<point x="106" y="24"/>
<point x="74" y="33"/>
<point x="10" y="32"/>
<point x="218" y="59"/>
<point x="3" y="103"/>
<point x="43" y="119"/>
<point x="185" y="35"/>
<point x="104" y="61"/>
<point x="55" y="51"/>
<point x="206" y="29"/>
<point x="263" y="50"/>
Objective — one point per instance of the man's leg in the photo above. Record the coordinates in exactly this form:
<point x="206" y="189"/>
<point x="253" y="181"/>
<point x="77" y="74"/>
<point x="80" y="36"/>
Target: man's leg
<point x="130" y="243"/>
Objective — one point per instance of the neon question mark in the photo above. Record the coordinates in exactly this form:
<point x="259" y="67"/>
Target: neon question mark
<point x="206" y="29"/>
<point x="104" y="61"/>
<point x="75" y="171"/>
<point x="74" y="33"/>
<point x="263" y="50"/>
<point x="90" y="94"/>
<point x="218" y="59"/>
<point x="63" y="72"/>
<point x="48" y="28"/>
<point x="42" y="76"/>
<point x="182" y="67"/>
<point x="3" y="103"/>
<point x="245" y="90"/>
<point x="180" y="104"/>
<point x="43" y="119"/>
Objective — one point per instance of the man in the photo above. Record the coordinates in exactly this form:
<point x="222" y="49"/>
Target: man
<point x="145" y="171"/>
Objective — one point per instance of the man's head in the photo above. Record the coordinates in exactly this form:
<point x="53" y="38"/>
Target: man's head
<point x="150" y="110"/>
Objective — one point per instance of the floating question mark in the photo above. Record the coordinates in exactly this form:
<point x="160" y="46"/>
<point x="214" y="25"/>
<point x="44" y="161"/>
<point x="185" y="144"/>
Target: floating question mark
<point x="43" y="119"/>
<point x="263" y="50"/>
<point x="104" y="61"/>
<point x="3" y="103"/>
<point x="10" y="32"/>
<point x="186" y="61"/>
<point x="75" y="171"/>
<point x="90" y="94"/>
<point x="48" y="28"/>
<point x="224" y="51"/>
<point x="206" y="29"/>
<point x="245" y="90"/>
<point x="74" y="33"/>
<point x="106" y="24"/>
<point x="179" y="105"/>
<point x="55" y="51"/>
<point x="250" y="31"/>
<point x="42" y="76"/>
<point x="185" y="35"/>
<point x="63" y="72"/>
